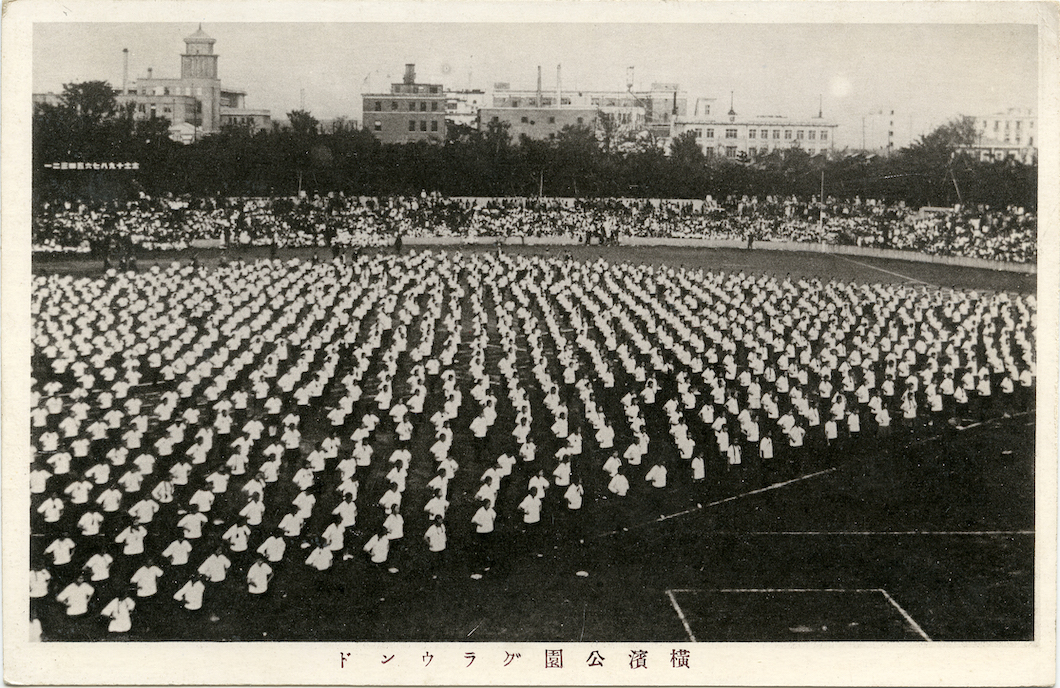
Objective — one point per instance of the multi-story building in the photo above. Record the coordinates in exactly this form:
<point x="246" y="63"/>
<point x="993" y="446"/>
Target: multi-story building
<point x="461" y="107"/>
<point x="410" y="112"/>
<point x="732" y="136"/>
<point x="1009" y="134"/>
<point x="235" y="112"/>
<point x="543" y="122"/>
<point x="651" y="109"/>
<point x="885" y="131"/>
<point x="195" y="104"/>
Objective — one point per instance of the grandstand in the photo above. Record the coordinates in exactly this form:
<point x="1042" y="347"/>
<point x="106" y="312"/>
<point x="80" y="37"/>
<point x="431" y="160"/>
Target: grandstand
<point x="1007" y="235"/>
<point x="588" y="443"/>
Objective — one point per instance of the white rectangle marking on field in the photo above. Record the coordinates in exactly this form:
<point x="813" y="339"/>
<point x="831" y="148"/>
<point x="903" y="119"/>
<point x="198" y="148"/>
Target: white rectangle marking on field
<point x="905" y="615"/>
<point x="680" y="614"/>
<point x="915" y="626"/>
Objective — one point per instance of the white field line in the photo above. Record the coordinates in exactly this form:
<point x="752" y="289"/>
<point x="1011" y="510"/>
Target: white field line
<point x="905" y="615"/>
<point x="895" y="274"/>
<point x="915" y="626"/>
<point x="991" y="421"/>
<point x="680" y="614"/>
<point x="873" y="533"/>
<point x="760" y="490"/>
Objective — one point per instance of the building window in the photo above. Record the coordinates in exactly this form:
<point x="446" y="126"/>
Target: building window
<point x="813" y="134"/>
<point x="378" y="125"/>
<point x="551" y="120"/>
<point x="730" y="151"/>
<point x="996" y="125"/>
<point x="412" y="106"/>
<point x="776" y="133"/>
<point x="423" y="106"/>
<point x="423" y="125"/>
<point x="824" y="135"/>
<point x="811" y="151"/>
<point x="751" y="133"/>
<point x="412" y="125"/>
<point x="708" y="153"/>
<point x="787" y="134"/>
<point x="710" y="133"/>
<point x="698" y="133"/>
<point x="581" y="121"/>
<point x="730" y="133"/>
<point x="434" y="106"/>
<point x="434" y="125"/>
<point x="752" y="151"/>
<point x="763" y="150"/>
<point x="495" y="119"/>
<point x="393" y="105"/>
<point x="378" y="106"/>
<point x="524" y="120"/>
<point x="1018" y="123"/>
<point x="798" y="134"/>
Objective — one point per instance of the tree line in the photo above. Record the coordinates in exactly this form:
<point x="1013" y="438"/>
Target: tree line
<point x="88" y="125"/>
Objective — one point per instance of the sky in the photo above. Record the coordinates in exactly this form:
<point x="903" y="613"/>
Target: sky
<point x="926" y="73"/>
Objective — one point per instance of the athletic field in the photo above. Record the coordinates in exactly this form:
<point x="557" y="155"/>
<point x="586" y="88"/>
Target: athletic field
<point x="927" y="538"/>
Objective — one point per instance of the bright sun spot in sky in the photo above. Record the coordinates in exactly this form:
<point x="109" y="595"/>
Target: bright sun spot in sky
<point x="840" y="86"/>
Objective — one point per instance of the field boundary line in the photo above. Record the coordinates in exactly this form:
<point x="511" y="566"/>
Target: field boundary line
<point x="731" y="498"/>
<point x="905" y="615"/>
<point x="991" y="421"/>
<point x="871" y="533"/>
<point x="916" y="627"/>
<point x="681" y="614"/>
<point x="889" y="272"/>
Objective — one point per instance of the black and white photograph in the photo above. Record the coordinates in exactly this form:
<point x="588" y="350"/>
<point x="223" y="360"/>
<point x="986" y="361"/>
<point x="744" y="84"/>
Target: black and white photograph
<point x="471" y="344"/>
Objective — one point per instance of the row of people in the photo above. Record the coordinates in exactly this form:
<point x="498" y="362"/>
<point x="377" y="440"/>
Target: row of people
<point x="238" y="418"/>
<point x="1008" y="234"/>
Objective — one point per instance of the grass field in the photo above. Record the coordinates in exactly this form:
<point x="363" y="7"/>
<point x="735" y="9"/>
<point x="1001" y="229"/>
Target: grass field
<point x="722" y="259"/>
<point x="929" y="538"/>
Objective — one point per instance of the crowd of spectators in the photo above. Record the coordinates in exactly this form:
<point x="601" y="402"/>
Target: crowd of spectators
<point x="1008" y="234"/>
<point x="202" y="436"/>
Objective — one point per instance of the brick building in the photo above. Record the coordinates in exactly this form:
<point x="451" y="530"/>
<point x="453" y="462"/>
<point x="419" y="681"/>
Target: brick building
<point x="410" y="112"/>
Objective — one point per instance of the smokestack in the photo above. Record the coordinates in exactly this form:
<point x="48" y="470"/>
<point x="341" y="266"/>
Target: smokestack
<point x="410" y="73"/>
<point x="559" y="87"/>
<point x="125" y="71"/>
<point x="150" y="71"/>
<point x="539" y="85"/>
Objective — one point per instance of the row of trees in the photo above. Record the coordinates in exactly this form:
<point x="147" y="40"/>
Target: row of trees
<point x="303" y="156"/>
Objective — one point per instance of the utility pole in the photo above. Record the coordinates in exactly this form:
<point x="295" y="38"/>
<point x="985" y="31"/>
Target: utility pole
<point x="820" y="220"/>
